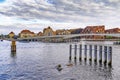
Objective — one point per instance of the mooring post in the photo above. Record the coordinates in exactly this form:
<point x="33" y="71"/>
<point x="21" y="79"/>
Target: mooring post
<point x="85" y="50"/>
<point x="100" y="54"/>
<point x="105" y="55"/>
<point x="13" y="46"/>
<point x="75" y="51"/>
<point x="80" y="53"/>
<point x="70" y="52"/>
<point x="90" y="49"/>
<point x="110" y="55"/>
<point x="95" y="53"/>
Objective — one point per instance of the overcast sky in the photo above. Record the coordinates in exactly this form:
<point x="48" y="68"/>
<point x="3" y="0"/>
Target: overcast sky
<point x="35" y="15"/>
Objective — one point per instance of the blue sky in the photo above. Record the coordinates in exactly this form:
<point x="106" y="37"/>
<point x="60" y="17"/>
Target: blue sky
<point x="2" y="1"/>
<point x="35" y="15"/>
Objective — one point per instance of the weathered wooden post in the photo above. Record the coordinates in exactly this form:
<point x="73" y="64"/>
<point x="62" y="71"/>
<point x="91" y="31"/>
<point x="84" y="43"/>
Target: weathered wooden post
<point x="90" y="49"/>
<point x="105" y="55"/>
<point x="100" y="54"/>
<point x="110" y="56"/>
<point x="80" y="53"/>
<point x="75" y="51"/>
<point x="95" y="53"/>
<point x="70" y="52"/>
<point x="13" y="46"/>
<point x="85" y="51"/>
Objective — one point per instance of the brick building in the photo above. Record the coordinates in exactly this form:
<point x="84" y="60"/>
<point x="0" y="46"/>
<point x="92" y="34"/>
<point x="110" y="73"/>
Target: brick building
<point x="94" y="29"/>
<point x="113" y="30"/>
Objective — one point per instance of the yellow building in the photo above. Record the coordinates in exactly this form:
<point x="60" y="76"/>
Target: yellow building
<point x="40" y="34"/>
<point x="11" y="35"/>
<point x="48" y="32"/>
<point x="26" y="33"/>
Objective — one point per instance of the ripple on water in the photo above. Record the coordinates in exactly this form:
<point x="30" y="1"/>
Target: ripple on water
<point x="69" y="78"/>
<point x="4" y="76"/>
<point x="38" y="62"/>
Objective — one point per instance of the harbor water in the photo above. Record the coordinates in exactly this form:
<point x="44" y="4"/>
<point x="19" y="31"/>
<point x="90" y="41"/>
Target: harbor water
<point x="38" y="61"/>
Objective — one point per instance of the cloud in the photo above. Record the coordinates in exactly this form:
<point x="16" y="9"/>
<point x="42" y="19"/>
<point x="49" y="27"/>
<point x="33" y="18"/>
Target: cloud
<point x="116" y="1"/>
<point x="56" y="10"/>
<point x="60" y="11"/>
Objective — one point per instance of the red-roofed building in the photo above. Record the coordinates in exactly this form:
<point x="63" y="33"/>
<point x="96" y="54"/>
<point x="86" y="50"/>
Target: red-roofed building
<point x="94" y="29"/>
<point x="26" y="33"/>
<point x="113" y="30"/>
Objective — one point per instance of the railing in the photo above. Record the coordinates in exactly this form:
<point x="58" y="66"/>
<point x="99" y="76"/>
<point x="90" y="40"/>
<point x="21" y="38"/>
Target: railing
<point x="72" y="35"/>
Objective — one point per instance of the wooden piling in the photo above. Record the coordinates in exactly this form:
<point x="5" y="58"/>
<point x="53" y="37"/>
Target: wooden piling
<point x="90" y="52"/>
<point x="75" y="51"/>
<point x="70" y="52"/>
<point x="100" y="54"/>
<point x="13" y="46"/>
<point x="104" y="51"/>
<point x="85" y="52"/>
<point x="110" y="55"/>
<point x="80" y="52"/>
<point x="95" y="53"/>
<point x="105" y="55"/>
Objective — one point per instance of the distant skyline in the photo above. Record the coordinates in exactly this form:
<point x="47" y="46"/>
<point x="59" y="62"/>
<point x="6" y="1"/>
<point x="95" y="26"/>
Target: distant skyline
<point x="16" y="15"/>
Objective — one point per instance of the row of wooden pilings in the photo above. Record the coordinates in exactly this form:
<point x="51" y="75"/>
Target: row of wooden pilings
<point x="99" y="51"/>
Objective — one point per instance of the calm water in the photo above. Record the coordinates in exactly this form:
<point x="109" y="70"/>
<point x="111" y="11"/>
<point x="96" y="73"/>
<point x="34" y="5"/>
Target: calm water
<point x="38" y="61"/>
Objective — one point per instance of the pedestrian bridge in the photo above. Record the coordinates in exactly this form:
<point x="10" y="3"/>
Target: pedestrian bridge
<point x="71" y="36"/>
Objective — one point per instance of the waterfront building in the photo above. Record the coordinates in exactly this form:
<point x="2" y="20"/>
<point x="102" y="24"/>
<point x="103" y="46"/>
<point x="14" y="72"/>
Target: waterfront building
<point x="63" y="32"/>
<point x="113" y="30"/>
<point x="48" y="31"/>
<point x="76" y="31"/>
<point x="11" y="35"/>
<point x="39" y="34"/>
<point x="95" y="30"/>
<point x="26" y="33"/>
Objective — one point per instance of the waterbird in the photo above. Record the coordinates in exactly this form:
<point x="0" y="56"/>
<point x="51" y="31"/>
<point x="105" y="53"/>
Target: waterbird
<point x="59" y="67"/>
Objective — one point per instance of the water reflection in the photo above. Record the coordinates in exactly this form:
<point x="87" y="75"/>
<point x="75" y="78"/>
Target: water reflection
<point x="95" y="63"/>
<point x="102" y="70"/>
<point x="13" y="54"/>
<point x="90" y="63"/>
<point x="106" y="72"/>
<point x="75" y="61"/>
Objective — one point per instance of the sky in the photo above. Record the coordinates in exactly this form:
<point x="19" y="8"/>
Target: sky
<point x="35" y="15"/>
